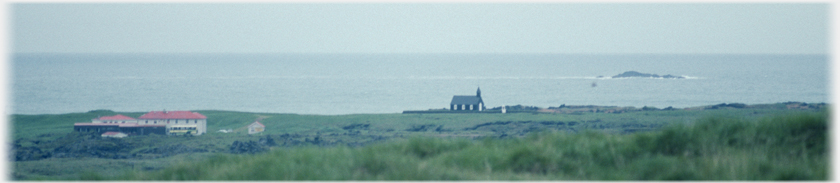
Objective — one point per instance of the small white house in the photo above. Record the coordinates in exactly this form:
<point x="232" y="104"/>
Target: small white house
<point x="256" y="127"/>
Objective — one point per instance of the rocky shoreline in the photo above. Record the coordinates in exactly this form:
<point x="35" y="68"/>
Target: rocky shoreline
<point x="579" y="109"/>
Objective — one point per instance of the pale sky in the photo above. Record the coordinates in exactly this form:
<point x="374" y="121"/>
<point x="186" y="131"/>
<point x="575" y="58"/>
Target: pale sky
<point x="602" y="28"/>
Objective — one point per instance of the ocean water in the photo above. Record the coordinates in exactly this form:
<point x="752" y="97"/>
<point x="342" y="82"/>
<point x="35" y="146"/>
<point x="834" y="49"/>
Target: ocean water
<point x="391" y="83"/>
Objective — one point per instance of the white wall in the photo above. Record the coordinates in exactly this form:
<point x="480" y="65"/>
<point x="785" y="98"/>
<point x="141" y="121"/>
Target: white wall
<point x="201" y="125"/>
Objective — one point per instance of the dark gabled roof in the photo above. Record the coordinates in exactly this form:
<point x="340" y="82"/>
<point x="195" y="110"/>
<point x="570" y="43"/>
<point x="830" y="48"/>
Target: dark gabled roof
<point x="470" y="100"/>
<point x="116" y="117"/>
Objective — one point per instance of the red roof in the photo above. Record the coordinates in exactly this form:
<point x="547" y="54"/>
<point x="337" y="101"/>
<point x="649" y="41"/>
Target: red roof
<point x="172" y="115"/>
<point x="118" y="124"/>
<point x="257" y="123"/>
<point x="116" y="117"/>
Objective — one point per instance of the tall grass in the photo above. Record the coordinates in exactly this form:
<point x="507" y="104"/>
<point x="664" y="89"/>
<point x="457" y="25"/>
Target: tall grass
<point x="786" y="147"/>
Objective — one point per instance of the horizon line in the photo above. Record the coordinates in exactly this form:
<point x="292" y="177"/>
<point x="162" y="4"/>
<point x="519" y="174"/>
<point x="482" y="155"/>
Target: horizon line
<point x="385" y="53"/>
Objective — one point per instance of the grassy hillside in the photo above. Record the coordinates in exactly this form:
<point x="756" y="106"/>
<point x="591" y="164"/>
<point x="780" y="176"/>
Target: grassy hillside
<point x="786" y="147"/>
<point x="44" y="146"/>
<point x="31" y="126"/>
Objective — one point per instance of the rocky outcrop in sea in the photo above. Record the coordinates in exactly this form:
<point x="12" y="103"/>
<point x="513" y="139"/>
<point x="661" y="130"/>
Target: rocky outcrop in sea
<point x="632" y="74"/>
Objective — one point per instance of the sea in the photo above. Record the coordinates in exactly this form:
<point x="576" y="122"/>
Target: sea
<point x="336" y="84"/>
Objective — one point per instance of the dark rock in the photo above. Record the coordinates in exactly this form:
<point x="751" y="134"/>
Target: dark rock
<point x="83" y="145"/>
<point x="356" y="126"/>
<point x="630" y="74"/>
<point x="267" y="141"/>
<point x="30" y="153"/>
<point x="251" y="147"/>
<point x="668" y="76"/>
<point x="440" y="129"/>
<point x="316" y="140"/>
<point x="732" y="105"/>
<point x="737" y="105"/>
<point x="418" y="128"/>
<point x="171" y="150"/>
<point x="646" y="108"/>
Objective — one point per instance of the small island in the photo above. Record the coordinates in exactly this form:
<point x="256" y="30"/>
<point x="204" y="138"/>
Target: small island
<point x="632" y="74"/>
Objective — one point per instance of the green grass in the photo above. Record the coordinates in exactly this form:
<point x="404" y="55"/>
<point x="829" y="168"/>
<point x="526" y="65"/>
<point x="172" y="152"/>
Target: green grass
<point x="52" y="126"/>
<point x="784" y="147"/>
<point x="94" y="168"/>
<point x="430" y="156"/>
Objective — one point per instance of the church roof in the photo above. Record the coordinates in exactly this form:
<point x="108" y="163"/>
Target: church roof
<point x="470" y="100"/>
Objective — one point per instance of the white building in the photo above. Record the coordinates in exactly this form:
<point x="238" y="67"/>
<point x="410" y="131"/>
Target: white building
<point x="176" y="121"/>
<point x="256" y="127"/>
<point x="467" y="103"/>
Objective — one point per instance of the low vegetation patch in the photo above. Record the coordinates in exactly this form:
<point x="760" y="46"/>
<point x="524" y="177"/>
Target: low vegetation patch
<point x="784" y="147"/>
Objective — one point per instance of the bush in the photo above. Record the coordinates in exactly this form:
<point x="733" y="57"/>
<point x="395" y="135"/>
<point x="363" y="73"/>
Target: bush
<point x="805" y="132"/>
<point x="427" y="147"/>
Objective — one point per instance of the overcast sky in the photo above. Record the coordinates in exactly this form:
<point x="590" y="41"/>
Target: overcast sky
<point x="421" y="28"/>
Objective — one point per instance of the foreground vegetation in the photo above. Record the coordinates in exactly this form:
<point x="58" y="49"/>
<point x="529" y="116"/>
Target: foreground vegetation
<point x="786" y="147"/>
<point x="567" y="143"/>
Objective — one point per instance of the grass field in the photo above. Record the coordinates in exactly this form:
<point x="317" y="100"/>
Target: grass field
<point x="760" y="142"/>
<point x="789" y="147"/>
